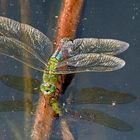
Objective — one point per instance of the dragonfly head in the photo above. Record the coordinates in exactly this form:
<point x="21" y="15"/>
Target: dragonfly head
<point x="48" y="88"/>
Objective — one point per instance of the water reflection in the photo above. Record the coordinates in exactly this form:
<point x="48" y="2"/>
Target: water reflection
<point x="98" y="95"/>
<point x="84" y="96"/>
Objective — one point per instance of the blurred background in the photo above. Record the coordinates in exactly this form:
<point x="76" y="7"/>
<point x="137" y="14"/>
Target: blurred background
<point x="99" y="19"/>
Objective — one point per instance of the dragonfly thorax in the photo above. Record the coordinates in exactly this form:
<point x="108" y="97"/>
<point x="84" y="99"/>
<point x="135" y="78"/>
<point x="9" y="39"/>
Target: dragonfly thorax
<point x="52" y="65"/>
<point x="49" y="79"/>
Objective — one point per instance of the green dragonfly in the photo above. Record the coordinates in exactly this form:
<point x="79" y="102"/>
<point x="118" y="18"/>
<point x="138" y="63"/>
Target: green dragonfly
<point x="27" y="44"/>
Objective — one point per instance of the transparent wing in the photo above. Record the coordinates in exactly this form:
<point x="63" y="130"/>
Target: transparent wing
<point x="89" y="62"/>
<point x="93" y="45"/>
<point x="17" y="50"/>
<point x="28" y="35"/>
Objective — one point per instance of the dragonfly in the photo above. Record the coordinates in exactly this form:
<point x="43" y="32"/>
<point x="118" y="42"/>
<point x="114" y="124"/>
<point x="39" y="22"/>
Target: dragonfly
<point x="27" y="44"/>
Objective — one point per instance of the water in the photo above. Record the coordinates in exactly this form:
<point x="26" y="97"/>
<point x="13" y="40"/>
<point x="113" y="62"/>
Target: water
<point x="104" y="19"/>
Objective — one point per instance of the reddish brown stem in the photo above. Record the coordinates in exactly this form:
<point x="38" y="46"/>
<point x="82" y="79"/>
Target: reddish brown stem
<point x="68" y="19"/>
<point x="67" y="24"/>
<point x="43" y="120"/>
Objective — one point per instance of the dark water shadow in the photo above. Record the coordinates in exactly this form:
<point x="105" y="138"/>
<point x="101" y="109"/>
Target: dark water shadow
<point x="84" y="96"/>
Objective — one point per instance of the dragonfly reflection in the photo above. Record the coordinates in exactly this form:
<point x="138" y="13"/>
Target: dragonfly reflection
<point x="83" y="96"/>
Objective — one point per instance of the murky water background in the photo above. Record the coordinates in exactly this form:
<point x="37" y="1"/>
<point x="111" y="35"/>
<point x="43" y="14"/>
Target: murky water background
<point x="104" y="19"/>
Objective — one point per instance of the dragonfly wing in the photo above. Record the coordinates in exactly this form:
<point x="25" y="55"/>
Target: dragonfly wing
<point x="93" y="45"/>
<point x="89" y="62"/>
<point x="17" y="50"/>
<point x="28" y="35"/>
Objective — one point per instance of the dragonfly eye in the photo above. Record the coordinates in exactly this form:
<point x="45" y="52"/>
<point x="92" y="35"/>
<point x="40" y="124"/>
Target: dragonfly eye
<point x="47" y="92"/>
<point x="46" y="88"/>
